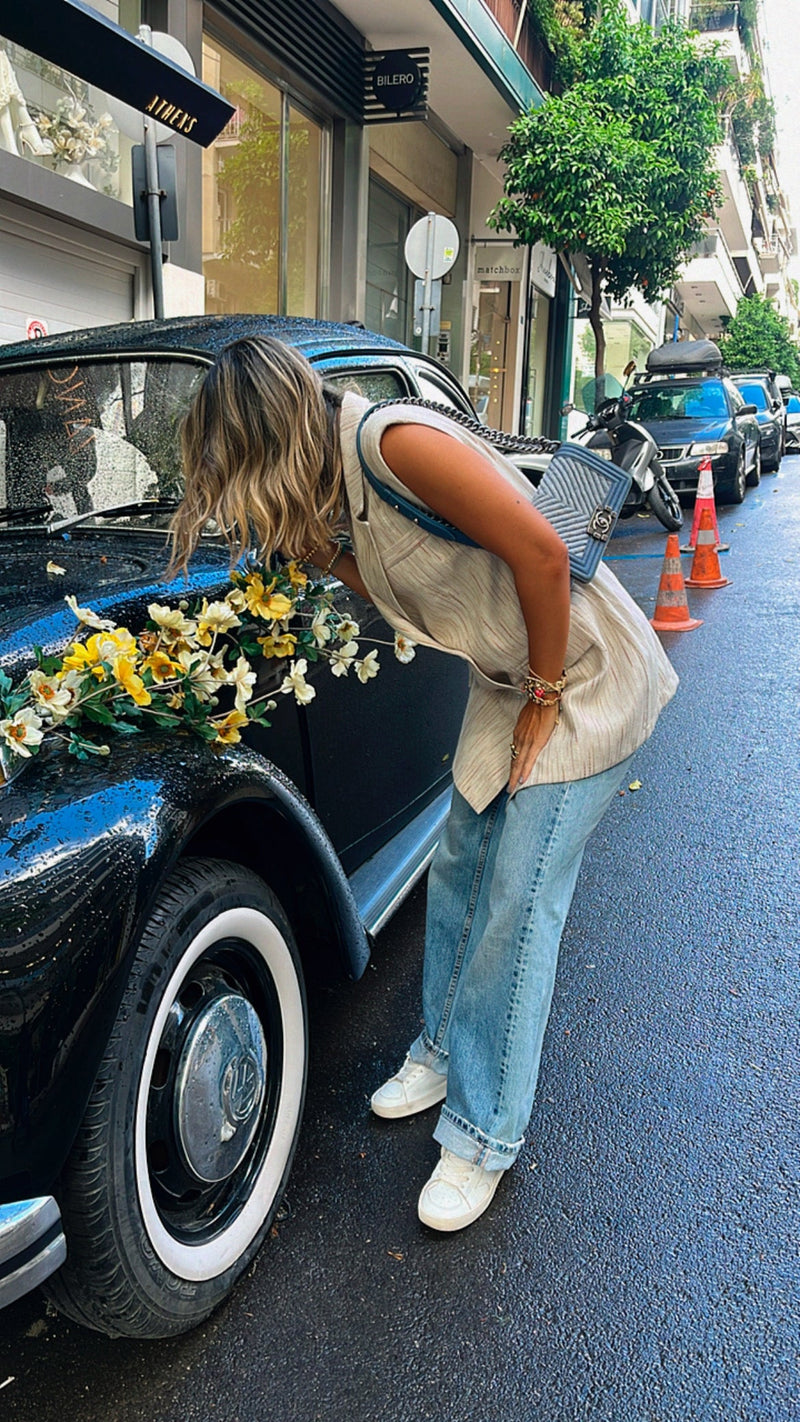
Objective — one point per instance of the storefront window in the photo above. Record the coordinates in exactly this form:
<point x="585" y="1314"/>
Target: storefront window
<point x="388" y="281"/>
<point x="489" y="355"/>
<point x="59" y="122"/>
<point x="261" y="196"/>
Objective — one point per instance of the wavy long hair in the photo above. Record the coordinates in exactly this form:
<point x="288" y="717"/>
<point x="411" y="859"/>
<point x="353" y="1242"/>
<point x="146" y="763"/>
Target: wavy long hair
<point x="261" y="455"/>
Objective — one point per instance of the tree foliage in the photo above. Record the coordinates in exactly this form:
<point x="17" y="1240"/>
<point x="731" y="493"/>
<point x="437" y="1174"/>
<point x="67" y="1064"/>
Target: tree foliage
<point x="619" y="166"/>
<point x="760" y="338"/>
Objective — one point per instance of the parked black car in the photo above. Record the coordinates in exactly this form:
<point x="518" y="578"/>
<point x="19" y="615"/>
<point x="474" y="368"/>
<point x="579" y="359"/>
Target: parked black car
<point x="694" y="411"/>
<point x="162" y="906"/>
<point x="761" y="390"/>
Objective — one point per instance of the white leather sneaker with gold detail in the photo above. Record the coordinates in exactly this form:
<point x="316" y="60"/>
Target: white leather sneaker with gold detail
<point x="457" y="1193"/>
<point x="413" y="1088"/>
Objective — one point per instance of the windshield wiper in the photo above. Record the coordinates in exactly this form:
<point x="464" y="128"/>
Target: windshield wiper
<point x="10" y="515"/>
<point x="141" y="506"/>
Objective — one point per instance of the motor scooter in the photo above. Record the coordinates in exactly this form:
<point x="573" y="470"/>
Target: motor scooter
<point x="634" y="450"/>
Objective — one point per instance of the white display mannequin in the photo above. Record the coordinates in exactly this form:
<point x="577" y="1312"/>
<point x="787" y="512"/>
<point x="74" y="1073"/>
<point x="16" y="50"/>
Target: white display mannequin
<point x="17" y="128"/>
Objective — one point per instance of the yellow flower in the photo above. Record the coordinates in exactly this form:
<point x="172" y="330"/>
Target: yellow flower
<point x="22" y="730"/>
<point x="125" y="675"/>
<point x="227" y="727"/>
<point x="282" y="646"/>
<point x="161" y="667"/>
<point x="263" y="602"/>
<point x="102" y="647"/>
<point x="236" y="599"/>
<point x="175" y="700"/>
<point x="297" y="578"/>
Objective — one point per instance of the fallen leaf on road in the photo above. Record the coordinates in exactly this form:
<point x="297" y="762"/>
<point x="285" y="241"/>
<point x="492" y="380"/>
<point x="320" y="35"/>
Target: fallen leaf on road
<point x="395" y="1254"/>
<point x="635" y="785"/>
<point x="55" y="568"/>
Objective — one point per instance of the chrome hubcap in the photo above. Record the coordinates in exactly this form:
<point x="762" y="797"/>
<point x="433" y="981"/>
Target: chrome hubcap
<point x="220" y="1087"/>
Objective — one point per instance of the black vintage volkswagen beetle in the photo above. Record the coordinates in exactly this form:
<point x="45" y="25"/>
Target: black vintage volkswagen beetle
<point x="160" y="907"/>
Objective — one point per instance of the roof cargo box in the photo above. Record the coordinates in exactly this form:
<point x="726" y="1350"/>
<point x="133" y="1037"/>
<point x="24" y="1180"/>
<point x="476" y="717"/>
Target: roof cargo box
<point x="684" y="356"/>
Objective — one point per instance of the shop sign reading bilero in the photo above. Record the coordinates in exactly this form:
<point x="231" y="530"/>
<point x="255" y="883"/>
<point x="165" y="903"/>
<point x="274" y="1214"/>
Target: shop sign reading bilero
<point x="396" y="85"/>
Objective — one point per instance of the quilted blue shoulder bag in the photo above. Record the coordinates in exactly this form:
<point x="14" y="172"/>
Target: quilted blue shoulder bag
<point x="580" y="494"/>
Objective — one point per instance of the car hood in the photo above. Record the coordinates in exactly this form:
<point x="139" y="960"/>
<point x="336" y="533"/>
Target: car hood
<point x="116" y="576"/>
<point x="674" y="432"/>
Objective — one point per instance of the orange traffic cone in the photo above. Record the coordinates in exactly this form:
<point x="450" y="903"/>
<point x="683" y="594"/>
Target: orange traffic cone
<point x="705" y="564"/>
<point x="672" y="608"/>
<point x="704" y="500"/>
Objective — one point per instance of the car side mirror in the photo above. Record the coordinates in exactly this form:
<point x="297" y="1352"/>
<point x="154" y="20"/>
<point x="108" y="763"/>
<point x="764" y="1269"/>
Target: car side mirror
<point x="747" y="410"/>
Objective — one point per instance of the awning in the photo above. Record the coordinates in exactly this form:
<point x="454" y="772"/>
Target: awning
<point x="79" y="39"/>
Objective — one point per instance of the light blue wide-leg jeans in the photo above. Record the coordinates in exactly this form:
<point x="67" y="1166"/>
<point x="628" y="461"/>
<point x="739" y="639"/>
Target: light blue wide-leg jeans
<point x="499" y="891"/>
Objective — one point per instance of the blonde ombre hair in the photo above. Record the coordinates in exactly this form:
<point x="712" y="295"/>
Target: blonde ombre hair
<point x="261" y="454"/>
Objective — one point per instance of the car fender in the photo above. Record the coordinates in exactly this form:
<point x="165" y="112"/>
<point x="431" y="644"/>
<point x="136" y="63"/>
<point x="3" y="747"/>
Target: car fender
<point x="84" y="850"/>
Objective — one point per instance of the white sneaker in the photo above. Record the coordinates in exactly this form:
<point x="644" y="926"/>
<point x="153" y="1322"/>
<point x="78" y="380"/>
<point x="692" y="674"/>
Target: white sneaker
<point x="413" y="1088"/>
<point x="457" y="1192"/>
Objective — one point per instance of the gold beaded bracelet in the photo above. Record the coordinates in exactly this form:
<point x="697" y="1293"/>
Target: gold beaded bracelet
<point x="542" y="692"/>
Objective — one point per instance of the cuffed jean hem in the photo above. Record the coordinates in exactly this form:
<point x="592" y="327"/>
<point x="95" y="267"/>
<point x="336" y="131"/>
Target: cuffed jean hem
<point x="423" y="1052"/>
<point x="464" y="1140"/>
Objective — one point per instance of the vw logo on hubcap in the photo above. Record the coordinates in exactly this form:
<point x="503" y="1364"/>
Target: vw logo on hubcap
<point x="220" y="1087"/>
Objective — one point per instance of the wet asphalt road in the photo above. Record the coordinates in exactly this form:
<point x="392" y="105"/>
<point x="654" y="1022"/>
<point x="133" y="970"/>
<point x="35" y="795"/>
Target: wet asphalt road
<point x="639" y="1263"/>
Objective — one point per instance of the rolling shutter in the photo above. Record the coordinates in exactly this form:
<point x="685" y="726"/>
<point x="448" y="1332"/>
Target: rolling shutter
<point x="48" y="270"/>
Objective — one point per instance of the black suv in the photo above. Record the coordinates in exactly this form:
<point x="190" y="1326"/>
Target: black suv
<point x="759" y="388"/>
<point x="695" y="412"/>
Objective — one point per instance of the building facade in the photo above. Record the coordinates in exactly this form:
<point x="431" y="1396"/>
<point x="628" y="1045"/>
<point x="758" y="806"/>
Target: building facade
<point x="303" y="203"/>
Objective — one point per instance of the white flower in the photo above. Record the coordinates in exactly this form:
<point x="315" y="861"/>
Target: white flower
<point x="296" y="682"/>
<point x="347" y="629"/>
<point x="203" y="673"/>
<point x="171" y="620"/>
<point x="87" y="617"/>
<point x="244" y="679"/>
<point x="215" y="617"/>
<point x="55" y="697"/>
<point x="342" y="658"/>
<point x="369" y="667"/>
<point x="22" y="730"/>
<point x="320" y="628"/>
<point x="404" y="648"/>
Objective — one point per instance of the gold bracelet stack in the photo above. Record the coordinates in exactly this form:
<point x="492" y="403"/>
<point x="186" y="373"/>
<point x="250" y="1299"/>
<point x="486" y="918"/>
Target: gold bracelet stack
<point x="542" y="692"/>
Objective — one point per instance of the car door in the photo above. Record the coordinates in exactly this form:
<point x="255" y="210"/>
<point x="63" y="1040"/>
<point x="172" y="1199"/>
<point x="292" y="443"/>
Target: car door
<point x="379" y="753"/>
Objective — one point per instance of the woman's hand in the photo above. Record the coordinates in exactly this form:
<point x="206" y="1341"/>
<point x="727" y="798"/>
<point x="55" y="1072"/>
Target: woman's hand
<point x="535" y="726"/>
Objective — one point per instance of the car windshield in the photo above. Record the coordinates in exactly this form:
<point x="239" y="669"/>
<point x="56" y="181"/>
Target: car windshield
<point x="680" y="400"/>
<point x="80" y="438"/>
<point x="754" y="394"/>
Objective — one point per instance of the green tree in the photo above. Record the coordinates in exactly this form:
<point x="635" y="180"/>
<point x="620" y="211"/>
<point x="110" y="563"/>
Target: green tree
<point x="760" y="338"/>
<point x="619" y="166"/>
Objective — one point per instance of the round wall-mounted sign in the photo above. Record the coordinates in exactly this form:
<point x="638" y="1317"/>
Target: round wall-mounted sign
<point x="433" y="239"/>
<point x="397" y="81"/>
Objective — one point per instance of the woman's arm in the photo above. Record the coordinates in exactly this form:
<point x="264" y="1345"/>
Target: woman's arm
<point x="463" y="487"/>
<point x="346" y="567"/>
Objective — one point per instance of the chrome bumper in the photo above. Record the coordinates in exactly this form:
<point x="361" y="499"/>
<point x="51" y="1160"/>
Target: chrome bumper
<point x="32" y="1245"/>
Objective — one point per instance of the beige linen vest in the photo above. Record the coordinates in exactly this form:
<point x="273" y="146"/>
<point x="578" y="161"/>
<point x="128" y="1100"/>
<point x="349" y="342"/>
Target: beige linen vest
<point x="463" y="600"/>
